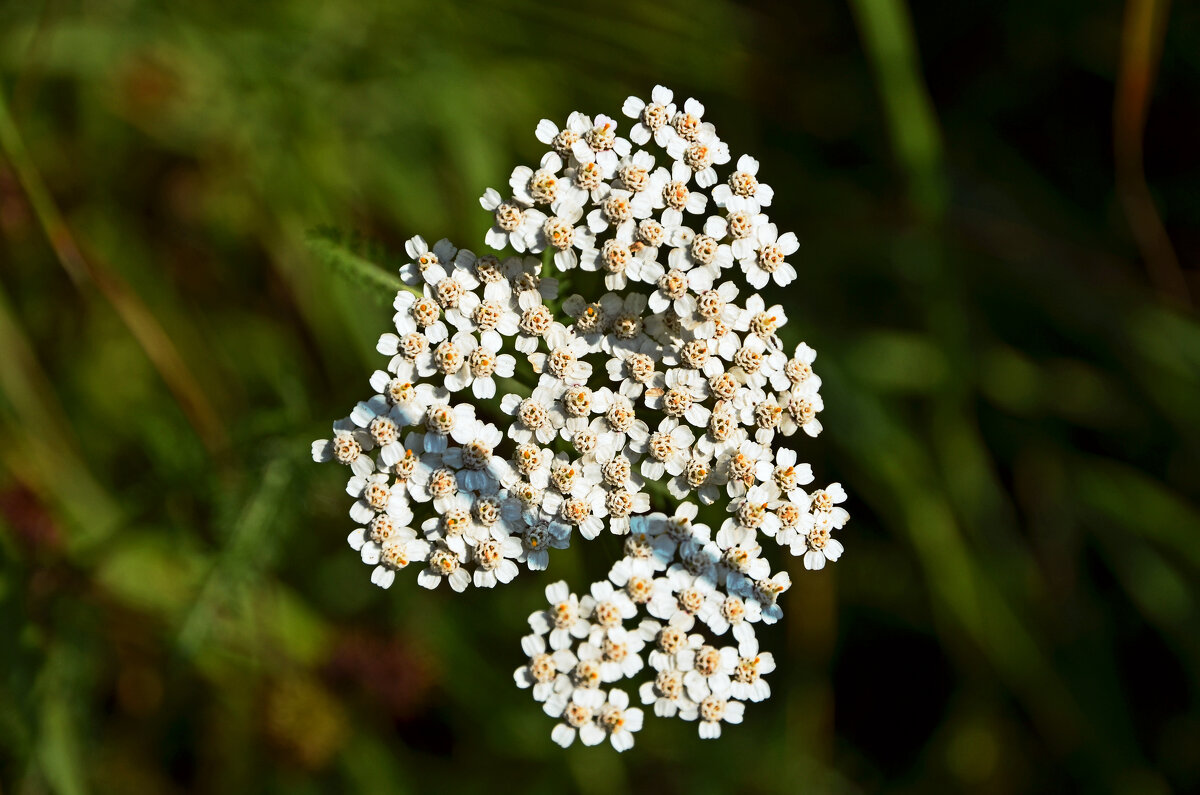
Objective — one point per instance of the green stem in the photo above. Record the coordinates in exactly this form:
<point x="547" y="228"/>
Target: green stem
<point x="332" y="251"/>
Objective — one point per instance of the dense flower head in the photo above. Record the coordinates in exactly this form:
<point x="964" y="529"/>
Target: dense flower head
<point x="624" y="375"/>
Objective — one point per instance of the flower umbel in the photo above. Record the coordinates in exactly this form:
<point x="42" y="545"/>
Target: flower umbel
<point x="612" y="367"/>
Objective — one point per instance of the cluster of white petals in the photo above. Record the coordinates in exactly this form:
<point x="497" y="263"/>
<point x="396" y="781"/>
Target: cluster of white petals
<point x="663" y="392"/>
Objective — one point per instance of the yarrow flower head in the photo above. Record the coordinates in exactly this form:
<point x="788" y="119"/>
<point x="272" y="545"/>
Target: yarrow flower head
<point x="655" y="401"/>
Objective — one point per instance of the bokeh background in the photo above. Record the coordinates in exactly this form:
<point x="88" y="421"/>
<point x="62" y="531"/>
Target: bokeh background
<point x="999" y="210"/>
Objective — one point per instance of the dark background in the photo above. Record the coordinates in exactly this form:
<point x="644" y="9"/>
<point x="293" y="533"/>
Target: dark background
<point x="1000" y="303"/>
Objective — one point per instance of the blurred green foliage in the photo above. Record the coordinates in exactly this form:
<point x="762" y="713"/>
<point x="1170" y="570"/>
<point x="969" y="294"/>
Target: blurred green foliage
<point x="1012" y="408"/>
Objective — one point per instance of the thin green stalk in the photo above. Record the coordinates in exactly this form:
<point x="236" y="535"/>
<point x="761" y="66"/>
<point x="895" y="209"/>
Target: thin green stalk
<point x="331" y="249"/>
<point x="887" y="36"/>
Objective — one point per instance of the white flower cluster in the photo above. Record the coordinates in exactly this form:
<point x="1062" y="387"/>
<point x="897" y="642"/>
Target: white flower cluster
<point x="664" y="391"/>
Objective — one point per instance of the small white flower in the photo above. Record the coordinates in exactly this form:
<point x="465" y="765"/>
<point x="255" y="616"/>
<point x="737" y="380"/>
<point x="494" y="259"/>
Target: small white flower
<point x="493" y="557"/>
<point x="420" y="315"/>
<point x="752" y="665"/>
<point x="560" y="233"/>
<point x="762" y="321"/>
<point x="682" y="526"/>
<point x="564" y="365"/>
<point x="634" y="171"/>
<point x="698" y="561"/>
<point x="534" y="324"/>
<point x="483" y="365"/>
<point x="444" y="422"/>
<point x="444" y="564"/>
<point x="825" y="502"/>
<point x="408" y="362"/>
<point x="625" y="321"/>
<point x="668" y="450"/>
<point x="755" y="364"/>
<point x="578" y="713"/>
<point x="432" y="482"/>
<point x="538" y="538"/>
<point x="540" y="672"/>
<point x="701" y="310"/>
<point x="740" y="465"/>
<point x="666" y="692"/>
<point x="765" y="415"/>
<point x="769" y="261"/>
<point x="443" y="252"/>
<point x="619" y="720"/>
<point x="674" y="649"/>
<point x="615" y="259"/>
<point x="682" y="397"/>
<point x="368" y="540"/>
<point x="532" y="187"/>
<point x="496" y="318"/>
<point x="740" y="223"/>
<point x="765" y="592"/>
<point x="794" y="523"/>
<point x="637" y="575"/>
<point x="669" y="191"/>
<point x="601" y="144"/>
<point x="391" y="556"/>
<point x="620" y="423"/>
<point x="740" y="552"/>
<point x="803" y="405"/>
<point x="700" y="251"/>
<point x="700" y="155"/>
<point x="700" y="476"/>
<point x="653" y="117"/>
<point x="562" y="140"/>
<point x="576" y="672"/>
<point x="691" y="592"/>
<point x="821" y="547"/>
<point x="784" y="476"/>
<point x="744" y="182"/>
<point x="634" y="366"/>
<point x="562" y="621"/>
<point x="528" y="286"/>
<point x="716" y="705"/>
<point x="620" y="649"/>
<point x="511" y="225"/>
<point x="615" y="212"/>
<point x="723" y="435"/>
<point x="376" y="493"/>
<point x="566" y="476"/>
<point x="711" y="670"/>
<point x="531" y="464"/>
<point x="689" y="123"/>
<point x="447" y="360"/>
<point x="409" y="402"/>
<point x="674" y="288"/>
<point x="479" y="468"/>
<point x="731" y="611"/>
<point x="586" y="183"/>
<point x="537" y="416"/>
<point x="799" y="369"/>
<point x="582" y="511"/>
<point x="453" y="289"/>
<point x="606" y="607"/>
<point x="454" y="526"/>
<point x="348" y="446"/>
<point x="383" y="421"/>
